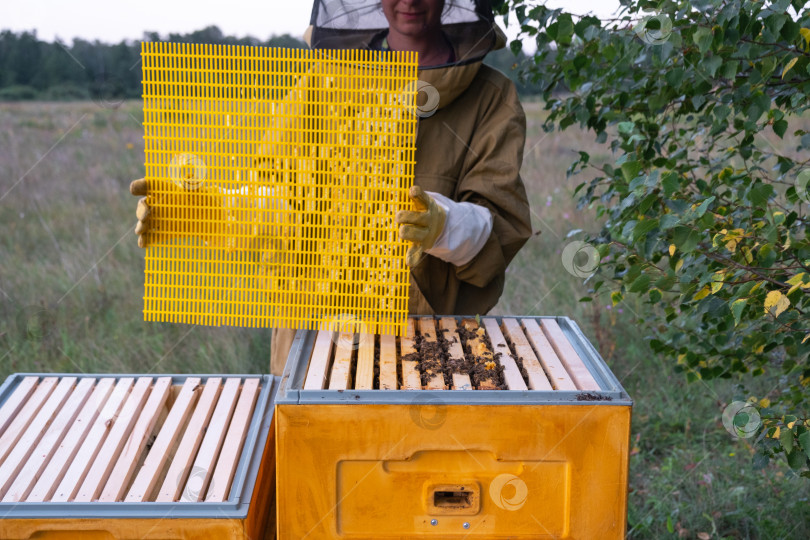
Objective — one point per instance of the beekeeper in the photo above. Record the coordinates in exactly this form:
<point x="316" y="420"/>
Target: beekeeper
<point x="471" y="214"/>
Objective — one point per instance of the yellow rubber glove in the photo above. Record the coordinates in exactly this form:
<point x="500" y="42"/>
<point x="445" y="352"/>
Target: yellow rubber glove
<point x="199" y="212"/>
<point x="421" y="226"/>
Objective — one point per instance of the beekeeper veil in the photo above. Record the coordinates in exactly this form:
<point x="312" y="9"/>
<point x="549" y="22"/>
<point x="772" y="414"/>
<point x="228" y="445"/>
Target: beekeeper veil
<point x="360" y="24"/>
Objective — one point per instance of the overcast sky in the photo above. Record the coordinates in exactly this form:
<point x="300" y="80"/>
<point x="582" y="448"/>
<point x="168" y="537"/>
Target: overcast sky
<point x="113" y="21"/>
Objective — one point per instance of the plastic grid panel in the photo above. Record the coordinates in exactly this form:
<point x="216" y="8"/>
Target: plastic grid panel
<point x="274" y="176"/>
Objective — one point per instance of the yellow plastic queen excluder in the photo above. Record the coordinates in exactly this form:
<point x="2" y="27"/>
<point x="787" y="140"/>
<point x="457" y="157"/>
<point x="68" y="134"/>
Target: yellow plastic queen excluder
<point x="274" y="176"/>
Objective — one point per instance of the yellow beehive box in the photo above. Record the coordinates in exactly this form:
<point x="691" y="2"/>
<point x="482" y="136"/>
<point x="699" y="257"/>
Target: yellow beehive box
<point x="136" y="456"/>
<point x="509" y="427"/>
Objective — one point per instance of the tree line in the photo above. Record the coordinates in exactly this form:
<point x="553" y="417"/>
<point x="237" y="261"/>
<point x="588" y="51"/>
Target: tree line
<point x="33" y="69"/>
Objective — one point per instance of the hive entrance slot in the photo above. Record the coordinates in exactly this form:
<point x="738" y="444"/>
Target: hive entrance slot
<point x="452" y="499"/>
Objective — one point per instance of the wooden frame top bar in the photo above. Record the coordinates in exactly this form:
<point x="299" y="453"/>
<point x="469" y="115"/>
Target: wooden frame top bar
<point x="483" y="353"/>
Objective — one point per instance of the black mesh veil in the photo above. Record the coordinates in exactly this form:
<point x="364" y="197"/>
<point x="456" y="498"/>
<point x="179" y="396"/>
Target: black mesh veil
<point x="353" y="24"/>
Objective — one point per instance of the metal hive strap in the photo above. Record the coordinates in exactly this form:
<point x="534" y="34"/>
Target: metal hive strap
<point x="274" y="176"/>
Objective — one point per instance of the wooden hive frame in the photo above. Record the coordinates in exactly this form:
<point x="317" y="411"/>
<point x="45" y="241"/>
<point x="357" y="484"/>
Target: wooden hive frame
<point x="93" y="446"/>
<point x="449" y="353"/>
<point x="98" y="439"/>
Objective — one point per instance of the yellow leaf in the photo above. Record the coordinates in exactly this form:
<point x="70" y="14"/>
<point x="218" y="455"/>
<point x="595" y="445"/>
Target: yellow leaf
<point x="717" y="280"/>
<point x="748" y="257"/>
<point x="759" y="349"/>
<point x="790" y="291"/>
<point x="678" y="265"/>
<point x="776" y="303"/>
<point x="731" y="245"/>
<point x="776" y="433"/>
<point x="703" y="293"/>
<point x="806" y="35"/>
<point x="790" y="425"/>
<point x="789" y="66"/>
<point x="681" y="359"/>
<point x="806" y="338"/>
<point x="797" y="281"/>
<point x="764" y="402"/>
<point x="671" y="250"/>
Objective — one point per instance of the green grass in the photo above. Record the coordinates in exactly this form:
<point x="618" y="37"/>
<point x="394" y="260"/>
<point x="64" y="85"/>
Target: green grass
<point x="71" y="288"/>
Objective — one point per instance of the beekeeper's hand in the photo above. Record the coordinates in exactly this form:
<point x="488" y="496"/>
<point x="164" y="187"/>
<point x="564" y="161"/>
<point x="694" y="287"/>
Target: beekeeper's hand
<point x="421" y="226"/>
<point x="452" y="231"/>
<point x="197" y="211"/>
<point x="139" y="188"/>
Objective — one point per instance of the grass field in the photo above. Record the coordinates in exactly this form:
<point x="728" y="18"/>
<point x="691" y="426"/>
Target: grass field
<point x="71" y="287"/>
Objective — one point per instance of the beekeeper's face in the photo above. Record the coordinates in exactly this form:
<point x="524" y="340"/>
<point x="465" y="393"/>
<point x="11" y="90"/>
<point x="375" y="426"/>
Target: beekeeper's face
<point x="413" y="17"/>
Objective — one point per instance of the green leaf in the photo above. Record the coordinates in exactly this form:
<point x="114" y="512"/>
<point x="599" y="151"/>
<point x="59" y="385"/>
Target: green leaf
<point x="766" y="255"/>
<point x="655" y="295"/>
<point x="760" y="193"/>
<point x="666" y="282"/>
<point x="737" y="308"/>
<point x="760" y="104"/>
<point x="626" y="128"/>
<point x="804" y="441"/>
<point x="685" y="238"/>
<point x="760" y="461"/>
<point x="786" y="439"/>
<point x="632" y="273"/>
<point x="780" y="127"/>
<point x="796" y="459"/>
<point x="740" y="419"/>
<point x="767" y="66"/>
<point x="674" y="77"/>
<point x="615" y="297"/>
<point x="640" y="284"/>
<point x="713" y="64"/>
<point x="670" y="182"/>
<point x="703" y="39"/>
<point x="701" y="209"/>
<point x="630" y="170"/>
<point x="643" y="227"/>
<point x="775" y="22"/>
<point x="668" y="221"/>
<point x="730" y="69"/>
<point x="565" y="29"/>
